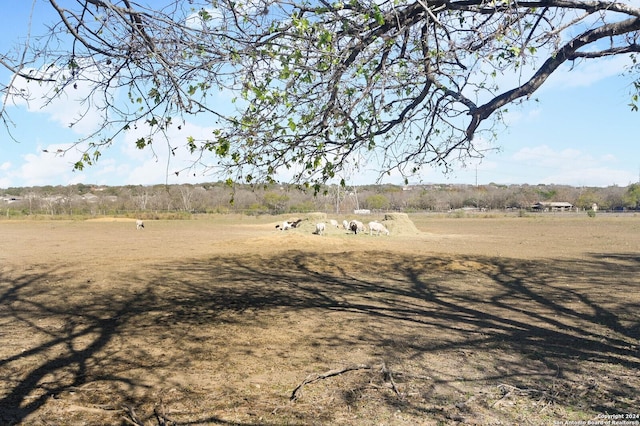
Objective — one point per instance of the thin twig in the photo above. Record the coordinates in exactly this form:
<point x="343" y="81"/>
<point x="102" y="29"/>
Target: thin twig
<point x="386" y="376"/>
<point x="315" y="377"/>
<point x="133" y="418"/>
<point x="160" y="413"/>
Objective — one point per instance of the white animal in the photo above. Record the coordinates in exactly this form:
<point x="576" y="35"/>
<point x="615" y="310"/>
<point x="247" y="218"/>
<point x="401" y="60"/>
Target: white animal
<point x="345" y="225"/>
<point x="320" y="227"/>
<point x="377" y="227"/>
<point x="288" y="224"/>
<point x="357" y="226"/>
<point x="139" y="224"/>
<point x="334" y="223"/>
<point x="285" y="225"/>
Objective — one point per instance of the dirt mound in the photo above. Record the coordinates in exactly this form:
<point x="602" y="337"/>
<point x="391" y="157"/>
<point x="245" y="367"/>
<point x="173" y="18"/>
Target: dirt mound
<point x="399" y="224"/>
<point x="111" y="219"/>
<point x="316" y="217"/>
<point x="396" y="223"/>
<point x="308" y="225"/>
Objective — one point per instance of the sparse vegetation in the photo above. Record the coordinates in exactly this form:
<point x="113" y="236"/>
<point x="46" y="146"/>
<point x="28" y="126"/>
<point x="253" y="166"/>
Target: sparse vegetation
<point x="229" y="321"/>
<point x="131" y="200"/>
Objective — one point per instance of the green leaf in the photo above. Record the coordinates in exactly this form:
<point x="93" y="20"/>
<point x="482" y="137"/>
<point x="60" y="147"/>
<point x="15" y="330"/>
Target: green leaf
<point x="222" y="149"/>
<point x="191" y="143"/>
<point x="205" y="15"/>
<point x="155" y="95"/>
<point x="141" y="143"/>
<point x="378" y="16"/>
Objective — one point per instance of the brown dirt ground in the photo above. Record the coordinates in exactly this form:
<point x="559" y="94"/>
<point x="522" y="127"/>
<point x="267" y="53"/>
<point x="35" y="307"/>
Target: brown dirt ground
<point x="486" y="320"/>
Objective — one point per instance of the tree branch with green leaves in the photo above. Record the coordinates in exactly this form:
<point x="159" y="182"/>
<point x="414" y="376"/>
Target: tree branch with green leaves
<point x="317" y="87"/>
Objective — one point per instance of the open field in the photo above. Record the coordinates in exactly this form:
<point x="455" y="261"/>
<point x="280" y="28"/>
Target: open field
<point x="498" y="320"/>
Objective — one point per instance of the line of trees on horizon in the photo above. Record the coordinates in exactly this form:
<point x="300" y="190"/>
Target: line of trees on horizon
<point x="217" y="197"/>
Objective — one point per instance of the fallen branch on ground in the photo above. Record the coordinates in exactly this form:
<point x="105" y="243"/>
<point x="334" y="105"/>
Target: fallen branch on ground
<point x="386" y="375"/>
<point x="132" y="417"/>
<point x="160" y="413"/>
<point x="509" y="390"/>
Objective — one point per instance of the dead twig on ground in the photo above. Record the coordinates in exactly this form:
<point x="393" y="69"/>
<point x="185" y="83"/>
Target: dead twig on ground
<point x="386" y="375"/>
<point x="132" y="417"/>
<point x="160" y="413"/>
<point x="510" y="390"/>
<point x="315" y="377"/>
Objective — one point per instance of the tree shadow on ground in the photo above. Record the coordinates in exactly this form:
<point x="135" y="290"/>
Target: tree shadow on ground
<point x="561" y="333"/>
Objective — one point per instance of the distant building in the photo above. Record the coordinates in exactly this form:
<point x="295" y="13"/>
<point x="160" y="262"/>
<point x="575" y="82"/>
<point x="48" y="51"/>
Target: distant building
<point x="552" y="206"/>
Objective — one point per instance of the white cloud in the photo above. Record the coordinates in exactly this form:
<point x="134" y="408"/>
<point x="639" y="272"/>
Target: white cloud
<point x="5" y="179"/>
<point x="75" y="107"/>
<point x="156" y="164"/>
<point x="46" y="167"/>
<point x="586" y="73"/>
<point x="548" y="157"/>
<point x="570" y="166"/>
<point x="525" y="114"/>
<point x="590" y="176"/>
<point x="196" y="21"/>
<point x="570" y="75"/>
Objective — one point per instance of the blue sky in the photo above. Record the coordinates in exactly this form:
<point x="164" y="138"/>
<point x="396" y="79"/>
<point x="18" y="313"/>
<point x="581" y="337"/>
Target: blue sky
<point x="581" y="132"/>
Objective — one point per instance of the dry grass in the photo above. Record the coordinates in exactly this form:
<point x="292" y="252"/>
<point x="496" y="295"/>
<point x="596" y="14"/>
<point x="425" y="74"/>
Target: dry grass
<point x="471" y="321"/>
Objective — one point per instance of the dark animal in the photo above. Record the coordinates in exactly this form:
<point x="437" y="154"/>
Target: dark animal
<point x="296" y="223"/>
<point x="354" y="227"/>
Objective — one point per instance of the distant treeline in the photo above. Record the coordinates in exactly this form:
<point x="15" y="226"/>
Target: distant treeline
<point x="217" y="197"/>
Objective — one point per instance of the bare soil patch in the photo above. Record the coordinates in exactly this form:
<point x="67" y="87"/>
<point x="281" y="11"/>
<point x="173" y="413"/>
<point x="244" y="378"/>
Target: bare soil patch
<point x="218" y="320"/>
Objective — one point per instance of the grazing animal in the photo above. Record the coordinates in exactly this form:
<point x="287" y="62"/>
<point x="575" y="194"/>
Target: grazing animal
<point x="345" y="225"/>
<point x="295" y="224"/>
<point x="356" y="225"/>
<point x="288" y="224"/>
<point x="285" y="225"/>
<point x="139" y="224"/>
<point x="377" y="227"/>
<point x="320" y="227"/>
<point x="334" y="223"/>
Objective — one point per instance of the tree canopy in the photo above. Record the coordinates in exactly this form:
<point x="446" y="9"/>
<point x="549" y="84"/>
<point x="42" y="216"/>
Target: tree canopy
<point x="314" y="87"/>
